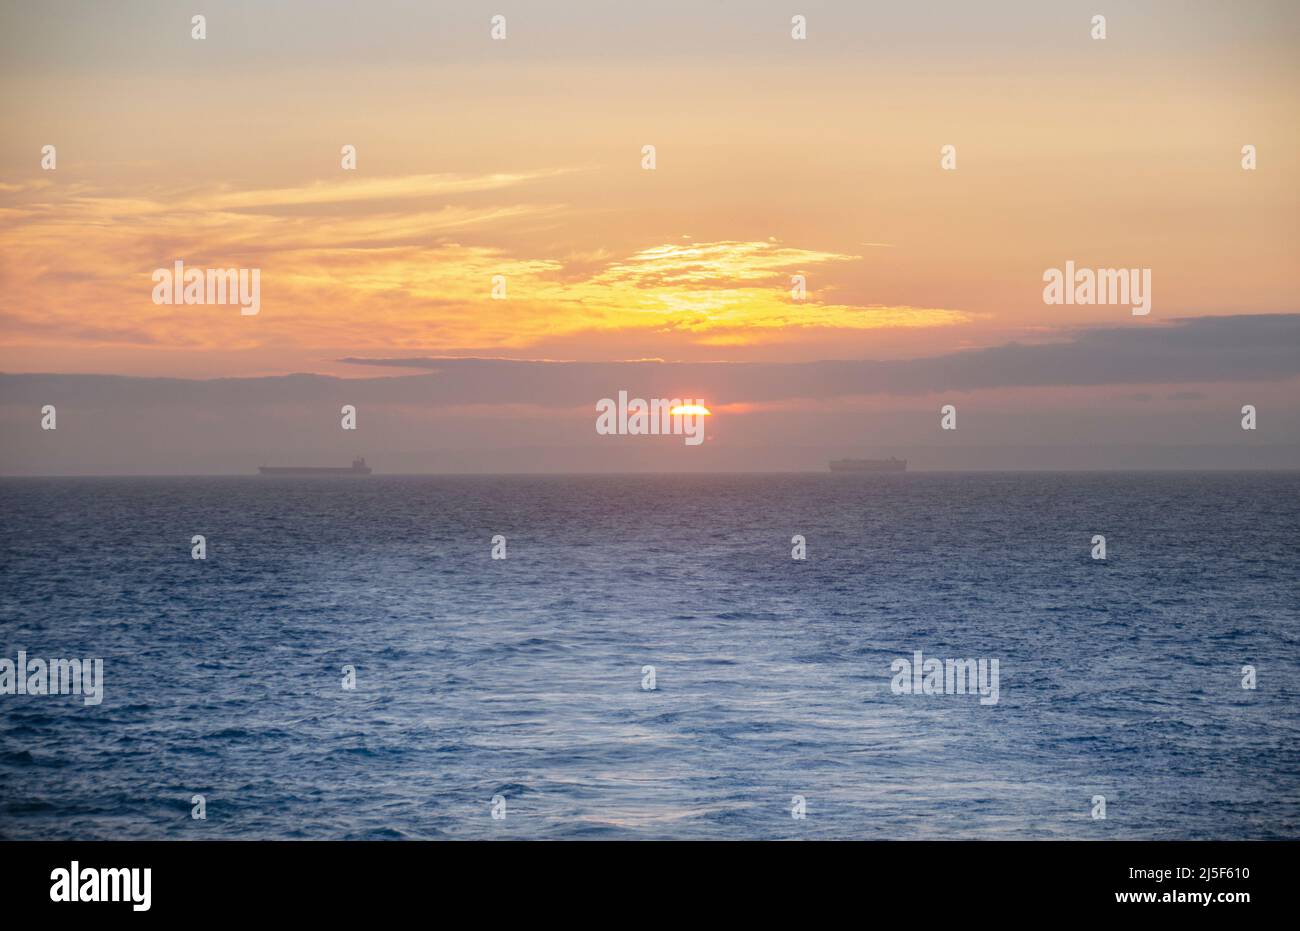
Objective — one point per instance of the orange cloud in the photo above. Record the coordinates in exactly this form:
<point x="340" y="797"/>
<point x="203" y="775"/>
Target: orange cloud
<point x="389" y="263"/>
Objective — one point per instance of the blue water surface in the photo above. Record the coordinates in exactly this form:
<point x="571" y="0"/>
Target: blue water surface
<point x="522" y="678"/>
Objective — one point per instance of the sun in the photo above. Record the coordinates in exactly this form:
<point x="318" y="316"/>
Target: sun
<point x="691" y="409"/>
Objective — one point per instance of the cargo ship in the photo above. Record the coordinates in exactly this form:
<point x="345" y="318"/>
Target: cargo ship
<point x="869" y="465"/>
<point x="358" y="467"/>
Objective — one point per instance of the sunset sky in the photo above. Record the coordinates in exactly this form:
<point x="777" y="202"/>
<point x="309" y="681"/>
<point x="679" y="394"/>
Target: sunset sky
<point x="522" y="158"/>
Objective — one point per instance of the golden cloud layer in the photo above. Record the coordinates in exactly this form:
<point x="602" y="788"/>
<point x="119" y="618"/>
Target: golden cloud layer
<point x="388" y="263"/>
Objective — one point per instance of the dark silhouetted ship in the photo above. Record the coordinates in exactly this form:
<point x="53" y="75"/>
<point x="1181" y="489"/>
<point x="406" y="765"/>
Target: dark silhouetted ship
<point x="869" y="465"/>
<point x="358" y="467"/>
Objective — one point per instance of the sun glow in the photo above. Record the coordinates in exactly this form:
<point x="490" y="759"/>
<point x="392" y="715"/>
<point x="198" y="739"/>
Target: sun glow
<point x="691" y="409"/>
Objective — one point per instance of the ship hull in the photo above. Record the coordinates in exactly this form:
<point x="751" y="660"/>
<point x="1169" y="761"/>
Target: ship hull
<point x="311" y="470"/>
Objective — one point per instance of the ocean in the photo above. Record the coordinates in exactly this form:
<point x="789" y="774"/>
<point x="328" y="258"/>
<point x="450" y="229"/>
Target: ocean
<point x="506" y="698"/>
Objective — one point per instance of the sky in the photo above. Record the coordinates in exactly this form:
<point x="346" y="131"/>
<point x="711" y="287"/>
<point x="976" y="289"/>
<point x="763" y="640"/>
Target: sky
<point x="774" y="158"/>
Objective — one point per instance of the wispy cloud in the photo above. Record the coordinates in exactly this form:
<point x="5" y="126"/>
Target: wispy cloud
<point x="362" y="189"/>
<point x="375" y="263"/>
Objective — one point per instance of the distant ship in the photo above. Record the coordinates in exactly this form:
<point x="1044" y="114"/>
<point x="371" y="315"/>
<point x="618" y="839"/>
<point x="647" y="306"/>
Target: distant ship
<point x="358" y="467"/>
<point x="869" y="465"/>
